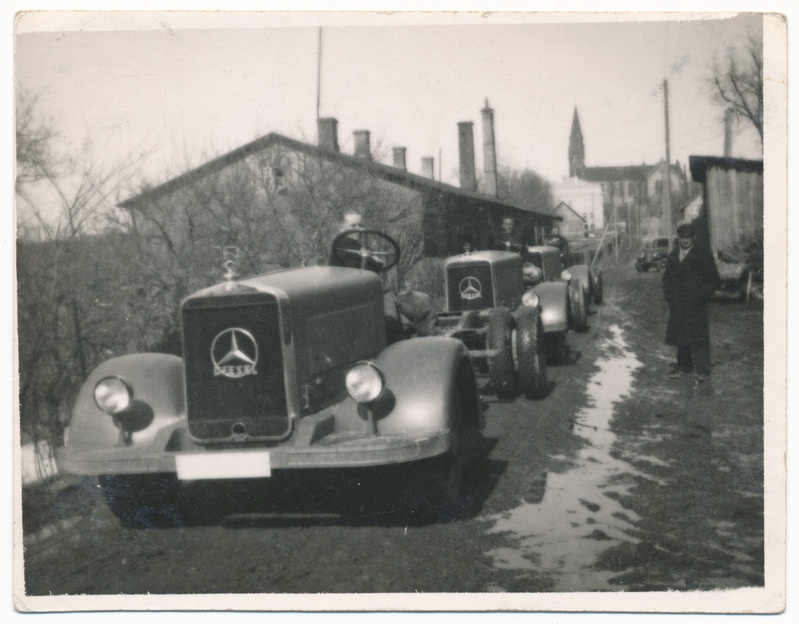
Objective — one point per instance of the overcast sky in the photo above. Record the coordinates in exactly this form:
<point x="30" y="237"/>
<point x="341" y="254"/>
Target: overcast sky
<point x="184" y="87"/>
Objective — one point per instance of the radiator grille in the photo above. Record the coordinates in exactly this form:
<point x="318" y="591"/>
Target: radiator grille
<point x="469" y="288"/>
<point x="234" y="368"/>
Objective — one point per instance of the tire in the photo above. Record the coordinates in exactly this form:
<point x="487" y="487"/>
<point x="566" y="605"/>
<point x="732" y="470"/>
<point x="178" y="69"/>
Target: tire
<point x="531" y="360"/>
<point x="500" y="365"/>
<point x="577" y="307"/>
<point x="597" y="288"/>
<point x="443" y="476"/>
<point x="661" y="264"/>
<point x="142" y="501"/>
<point x="745" y="288"/>
<point x="557" y="351"/>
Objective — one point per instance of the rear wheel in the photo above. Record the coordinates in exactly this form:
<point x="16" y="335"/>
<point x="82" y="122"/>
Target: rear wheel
<point x="597" y="289"/>
<point x="500" y="365"/>
<point x="142" y="500"/>
<point x="745" y="287"/>
<point x="577" y="306"/>
<point x="530" y="357"/>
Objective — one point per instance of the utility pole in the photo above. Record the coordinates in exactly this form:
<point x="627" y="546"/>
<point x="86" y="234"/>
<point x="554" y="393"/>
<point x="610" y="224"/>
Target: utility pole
<point x="319" y="72"/>
<point x="668" y="218"/>
<point x="629" y="231"/>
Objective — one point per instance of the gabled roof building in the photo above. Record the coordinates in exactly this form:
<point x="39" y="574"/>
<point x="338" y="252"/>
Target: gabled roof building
<point x="641" y="187"/>
<point x="448" y="216"/>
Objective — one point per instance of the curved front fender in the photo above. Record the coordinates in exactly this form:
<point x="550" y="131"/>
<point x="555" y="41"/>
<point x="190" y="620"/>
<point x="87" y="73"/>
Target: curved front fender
<point x="582" y="273"/>
<point x="554" y="302"/>
<point x="420" y="374"/>
<point x="157" y="383"/>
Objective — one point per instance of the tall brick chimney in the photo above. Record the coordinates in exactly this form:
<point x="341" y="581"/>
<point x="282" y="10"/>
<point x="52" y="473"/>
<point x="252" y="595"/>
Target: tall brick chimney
<point x="728" y="118"/>
<point x="327" y="129"/>
<point x="399" y="158"/>
<point x="489" y="151"/>
<point x="428" y="167"/>
<point x="362" y="148"/>
<point x="468" y="177"/>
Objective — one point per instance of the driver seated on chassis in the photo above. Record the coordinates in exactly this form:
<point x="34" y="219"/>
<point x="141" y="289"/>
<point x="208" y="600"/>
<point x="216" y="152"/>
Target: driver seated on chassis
<point x="407" y="312"/>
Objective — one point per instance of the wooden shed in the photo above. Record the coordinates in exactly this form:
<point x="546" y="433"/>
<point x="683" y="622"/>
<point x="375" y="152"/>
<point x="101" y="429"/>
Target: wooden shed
<point x="732" y="199"/>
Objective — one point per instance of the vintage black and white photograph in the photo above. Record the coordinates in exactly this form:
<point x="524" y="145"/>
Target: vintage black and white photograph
<point x="400" y="312"/>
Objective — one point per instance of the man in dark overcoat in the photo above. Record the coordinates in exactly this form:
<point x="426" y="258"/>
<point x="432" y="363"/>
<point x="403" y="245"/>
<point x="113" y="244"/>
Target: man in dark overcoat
<point x="690" y="279"/>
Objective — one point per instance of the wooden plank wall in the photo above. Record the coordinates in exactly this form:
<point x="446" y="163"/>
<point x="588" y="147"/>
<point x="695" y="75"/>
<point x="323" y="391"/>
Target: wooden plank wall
<point x="735" y="207"/>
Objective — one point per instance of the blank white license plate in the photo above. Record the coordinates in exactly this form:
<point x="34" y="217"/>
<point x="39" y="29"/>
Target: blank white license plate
<point x="232" y="465"/>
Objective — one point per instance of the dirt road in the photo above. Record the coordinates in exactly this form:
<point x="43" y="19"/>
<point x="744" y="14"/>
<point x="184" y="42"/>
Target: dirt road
<point x="619" y="480"/>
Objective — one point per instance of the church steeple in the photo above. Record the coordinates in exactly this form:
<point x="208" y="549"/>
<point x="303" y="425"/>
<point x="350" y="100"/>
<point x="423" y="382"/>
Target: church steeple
<point x="576" y="148"/>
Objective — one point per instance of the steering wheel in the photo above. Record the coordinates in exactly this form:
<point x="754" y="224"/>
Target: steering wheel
<point x="366" y="249"/>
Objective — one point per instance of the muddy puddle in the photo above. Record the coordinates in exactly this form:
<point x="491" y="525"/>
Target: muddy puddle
<point x="578" y="518"/>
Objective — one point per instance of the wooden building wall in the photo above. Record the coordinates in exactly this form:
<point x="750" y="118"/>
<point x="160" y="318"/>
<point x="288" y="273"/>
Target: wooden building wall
<point x="734" y="201"/>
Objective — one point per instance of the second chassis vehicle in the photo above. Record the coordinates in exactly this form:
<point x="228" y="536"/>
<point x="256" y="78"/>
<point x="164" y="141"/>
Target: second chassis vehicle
<point x="288" y="370"/>
<point x="489" y="310"/>
<point x="562" y="297"/>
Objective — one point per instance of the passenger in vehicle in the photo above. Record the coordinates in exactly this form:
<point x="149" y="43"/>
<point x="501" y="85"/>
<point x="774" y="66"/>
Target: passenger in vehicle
<point x="409" y="311"/>
<point x="352" y="220"/>
<point x="508" y="239"/>
<point x="554" y="239"/>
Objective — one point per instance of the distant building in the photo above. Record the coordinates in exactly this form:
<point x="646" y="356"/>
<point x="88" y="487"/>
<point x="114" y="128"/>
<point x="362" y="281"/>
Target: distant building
<point x="639" y="189"/>
<point x="692" y="209"/>
<point x="583" y="198"/>
<point x="573" y="225"/>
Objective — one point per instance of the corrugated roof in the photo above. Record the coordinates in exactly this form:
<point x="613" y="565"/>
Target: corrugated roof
<point x="368" y="167"/>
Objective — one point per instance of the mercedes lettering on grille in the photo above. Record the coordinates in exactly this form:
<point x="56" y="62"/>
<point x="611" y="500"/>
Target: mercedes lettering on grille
<point x="470" y="288"/>
<point x="234" y="353"/>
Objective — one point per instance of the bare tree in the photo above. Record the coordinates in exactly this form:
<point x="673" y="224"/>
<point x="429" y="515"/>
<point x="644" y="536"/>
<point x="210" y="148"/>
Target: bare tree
<point x="34" y="142"/>
<point x="525" y="188"/>
<point x="69" y="268"/>
<point x="737" y="82"/>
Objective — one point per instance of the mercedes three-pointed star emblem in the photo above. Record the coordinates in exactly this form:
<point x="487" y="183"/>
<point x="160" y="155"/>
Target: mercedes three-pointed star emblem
<point x="234" y="353"/>
<point x="470" y="288"/>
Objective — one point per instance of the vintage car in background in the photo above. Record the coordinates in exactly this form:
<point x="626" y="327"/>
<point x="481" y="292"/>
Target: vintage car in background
<point x="653" y="254"/>
<point x="285" y="370"/>
<point x="489" y="310"/>
<point x="562" y="298"/>
<point x="741" y="272"/>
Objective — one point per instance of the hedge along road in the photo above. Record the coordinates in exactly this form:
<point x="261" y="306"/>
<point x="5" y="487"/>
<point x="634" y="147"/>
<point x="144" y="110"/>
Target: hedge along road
<point x="621" y="479"/>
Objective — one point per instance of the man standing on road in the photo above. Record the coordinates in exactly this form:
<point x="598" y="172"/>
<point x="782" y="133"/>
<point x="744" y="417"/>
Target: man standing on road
<point x="689" y="280"/>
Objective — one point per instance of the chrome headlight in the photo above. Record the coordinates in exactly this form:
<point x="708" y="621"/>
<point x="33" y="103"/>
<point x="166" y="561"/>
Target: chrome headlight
<point x="531" y="299"/>
<point x="113" y="395"/>
<point x="364" y="382"/>
<point x="566" y="274"/>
